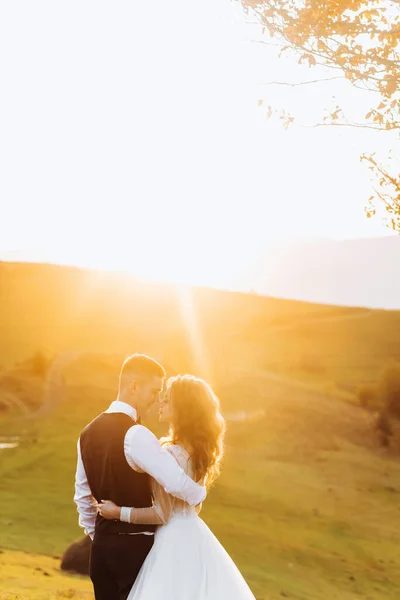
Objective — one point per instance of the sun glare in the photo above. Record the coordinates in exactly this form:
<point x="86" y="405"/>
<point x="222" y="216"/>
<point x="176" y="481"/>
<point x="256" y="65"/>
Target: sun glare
<point x="170" y="170"/>
<point x="185" y="298"/>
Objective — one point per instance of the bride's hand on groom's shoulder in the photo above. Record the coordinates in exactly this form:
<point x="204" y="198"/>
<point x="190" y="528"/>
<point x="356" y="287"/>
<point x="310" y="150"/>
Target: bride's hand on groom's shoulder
<point x="109" y="510"/>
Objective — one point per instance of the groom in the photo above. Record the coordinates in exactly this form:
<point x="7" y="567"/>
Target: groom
<point x="116" y="458"/>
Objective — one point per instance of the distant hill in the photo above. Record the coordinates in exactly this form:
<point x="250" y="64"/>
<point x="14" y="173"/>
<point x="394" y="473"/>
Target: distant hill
<point x="63" y="310"/>
<point x="363" y="272"/>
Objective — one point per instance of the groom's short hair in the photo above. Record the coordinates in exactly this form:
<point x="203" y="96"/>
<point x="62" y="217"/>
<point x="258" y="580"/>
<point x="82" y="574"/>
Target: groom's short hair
<point x="140" y="364"/>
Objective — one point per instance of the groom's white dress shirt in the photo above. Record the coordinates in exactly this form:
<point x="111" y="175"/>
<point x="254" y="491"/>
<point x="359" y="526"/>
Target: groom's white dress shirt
<point x="143" y="454"/>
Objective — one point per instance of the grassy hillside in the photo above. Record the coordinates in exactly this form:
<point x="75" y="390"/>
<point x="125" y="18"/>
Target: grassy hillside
<point x="36" y="577"/>
<point x="307" y="504"/>
<point x="211" y="332"/>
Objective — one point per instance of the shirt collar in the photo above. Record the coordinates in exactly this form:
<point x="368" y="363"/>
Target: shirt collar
<point x="122" y="407"/>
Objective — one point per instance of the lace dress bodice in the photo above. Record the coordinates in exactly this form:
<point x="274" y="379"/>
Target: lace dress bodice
<point x="168" y="506"/>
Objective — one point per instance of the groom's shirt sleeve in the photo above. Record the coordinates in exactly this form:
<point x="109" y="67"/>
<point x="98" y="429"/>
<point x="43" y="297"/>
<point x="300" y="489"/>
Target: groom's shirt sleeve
<point x="83" y="498"/>
<point x="143" y="452"/>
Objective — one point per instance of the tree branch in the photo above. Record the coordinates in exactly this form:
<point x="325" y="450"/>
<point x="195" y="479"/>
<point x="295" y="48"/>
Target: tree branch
<point x="301" y="82"/>
<point x="267" y="43"/>
<point x="355" y="125"/>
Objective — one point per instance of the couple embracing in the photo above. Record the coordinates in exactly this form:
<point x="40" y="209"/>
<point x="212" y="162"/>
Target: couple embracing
<point x="139" y="498"/>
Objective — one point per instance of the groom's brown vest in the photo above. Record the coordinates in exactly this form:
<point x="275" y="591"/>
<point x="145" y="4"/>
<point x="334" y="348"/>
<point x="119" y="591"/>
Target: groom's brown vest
<point x="108" y="473"/>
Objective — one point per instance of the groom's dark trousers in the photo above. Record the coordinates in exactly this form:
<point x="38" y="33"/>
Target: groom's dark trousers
<point x="118" y="549"/>
<point x="115" y="562"/>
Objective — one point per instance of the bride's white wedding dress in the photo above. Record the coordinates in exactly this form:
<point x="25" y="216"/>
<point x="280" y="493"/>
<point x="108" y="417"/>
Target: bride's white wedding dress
<point x="187" y="562"/>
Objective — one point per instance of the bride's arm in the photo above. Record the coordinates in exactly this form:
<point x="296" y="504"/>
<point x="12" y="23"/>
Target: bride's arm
<point x="141" y="516"/>
<point x="137" y="516"/>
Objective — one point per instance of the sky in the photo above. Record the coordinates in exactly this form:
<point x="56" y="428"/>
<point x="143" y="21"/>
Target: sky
<point x="131" y="138"/>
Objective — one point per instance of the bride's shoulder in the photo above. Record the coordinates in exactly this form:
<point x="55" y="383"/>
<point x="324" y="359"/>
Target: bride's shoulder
<point x="176" y="450"/>
<point x="165" y="441"/>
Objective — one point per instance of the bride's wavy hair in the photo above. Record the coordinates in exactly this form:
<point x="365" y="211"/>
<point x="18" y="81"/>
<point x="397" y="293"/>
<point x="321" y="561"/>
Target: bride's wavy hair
<point x="197" y="420"/>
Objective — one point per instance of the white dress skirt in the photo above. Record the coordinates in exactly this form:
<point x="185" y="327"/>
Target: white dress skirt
<point x="187" y="562"/>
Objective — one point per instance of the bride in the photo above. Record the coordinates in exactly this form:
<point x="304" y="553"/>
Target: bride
<point x="187" y="562"/>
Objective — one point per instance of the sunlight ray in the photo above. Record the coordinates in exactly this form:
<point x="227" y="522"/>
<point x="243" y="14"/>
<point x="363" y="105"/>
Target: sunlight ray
<point x="190" y="319"/>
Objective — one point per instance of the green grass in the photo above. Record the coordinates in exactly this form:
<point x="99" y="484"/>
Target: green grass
<point x="303" y="507"/>
<point x="36" y="577"/>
